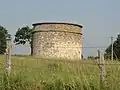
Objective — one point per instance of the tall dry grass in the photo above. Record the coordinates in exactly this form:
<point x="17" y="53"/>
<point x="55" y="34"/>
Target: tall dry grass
<point x="30" y="73"/>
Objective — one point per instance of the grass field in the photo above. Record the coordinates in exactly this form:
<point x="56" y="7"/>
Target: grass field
<point x="30" y="73"/>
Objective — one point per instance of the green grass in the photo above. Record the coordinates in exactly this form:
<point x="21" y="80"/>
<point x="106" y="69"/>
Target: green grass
<point x="31" y="73"/>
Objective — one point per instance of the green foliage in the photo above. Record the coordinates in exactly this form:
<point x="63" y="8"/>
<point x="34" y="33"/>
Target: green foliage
<point x="116" y="49"/>
<point x="53" y="67"/>
<point x="23" y="36"/>
<point x="92" y="57"/>
<point x="16" y="82"/>
<point x="3" y="35"/>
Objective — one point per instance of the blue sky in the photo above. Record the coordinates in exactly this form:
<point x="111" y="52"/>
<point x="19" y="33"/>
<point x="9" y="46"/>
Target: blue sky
<point x="100" y="18"/>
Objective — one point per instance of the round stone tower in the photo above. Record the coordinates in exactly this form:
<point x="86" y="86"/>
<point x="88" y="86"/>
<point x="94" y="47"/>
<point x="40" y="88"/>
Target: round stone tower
<point x="57" y="40"/>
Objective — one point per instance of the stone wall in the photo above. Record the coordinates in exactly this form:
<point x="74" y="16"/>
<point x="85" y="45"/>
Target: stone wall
<point x="57" y="41"/>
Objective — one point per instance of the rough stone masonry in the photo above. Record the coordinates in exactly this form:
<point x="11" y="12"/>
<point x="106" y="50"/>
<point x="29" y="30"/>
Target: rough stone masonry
<point x="57" y="40"/>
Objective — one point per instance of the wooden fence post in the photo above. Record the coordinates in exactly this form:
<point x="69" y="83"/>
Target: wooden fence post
<point x="8" y="56"/>
<point x="101" y="64"/>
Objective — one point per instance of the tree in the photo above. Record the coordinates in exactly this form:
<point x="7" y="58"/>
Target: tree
<point x="3" y="37"/>
<point x="23" y="36"/>
<point x="116" y="49"/>
<point x="92" y="57"/>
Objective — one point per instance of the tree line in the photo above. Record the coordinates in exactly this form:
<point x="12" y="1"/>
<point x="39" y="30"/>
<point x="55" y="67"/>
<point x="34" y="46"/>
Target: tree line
<point x="24" y="35"/>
